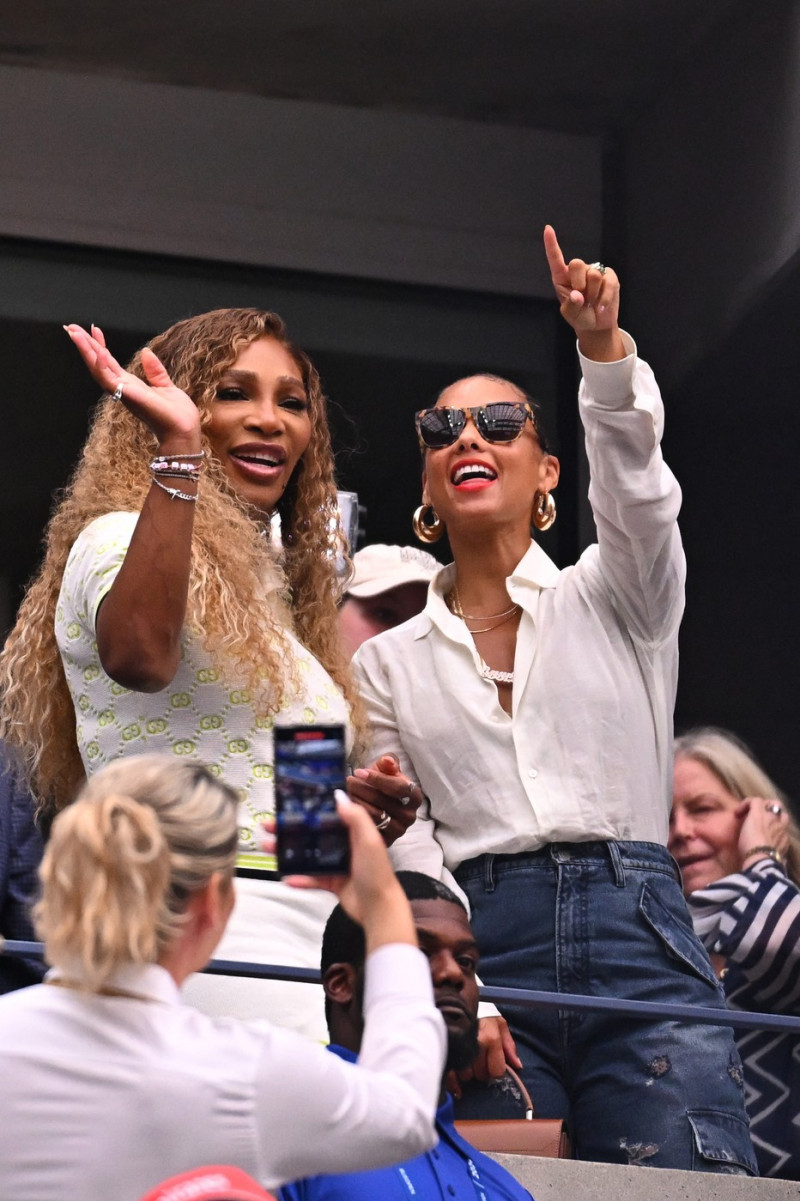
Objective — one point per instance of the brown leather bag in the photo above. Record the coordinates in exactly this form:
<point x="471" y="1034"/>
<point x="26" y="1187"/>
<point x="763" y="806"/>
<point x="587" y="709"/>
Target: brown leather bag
<point x="518" y="1136"/>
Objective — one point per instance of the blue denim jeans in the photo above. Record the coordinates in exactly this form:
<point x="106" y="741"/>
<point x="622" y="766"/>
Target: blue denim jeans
<point x="608" y="919"/>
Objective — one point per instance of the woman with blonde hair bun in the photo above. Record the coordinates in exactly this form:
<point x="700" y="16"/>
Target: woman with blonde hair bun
<point x="164" y="618"/>
<point x="738" y="848"/>
<point x="111" y="1084"/>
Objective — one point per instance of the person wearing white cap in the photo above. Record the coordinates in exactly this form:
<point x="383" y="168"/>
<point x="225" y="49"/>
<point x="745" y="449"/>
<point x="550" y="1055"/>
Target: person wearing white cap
<point x="389" y="585"/>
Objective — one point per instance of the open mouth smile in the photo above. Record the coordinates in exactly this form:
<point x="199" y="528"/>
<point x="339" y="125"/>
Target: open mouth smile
<point x="259" y="462"/>
<point x="473" y="475"/>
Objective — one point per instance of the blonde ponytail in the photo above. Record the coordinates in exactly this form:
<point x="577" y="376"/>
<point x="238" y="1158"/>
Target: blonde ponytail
<point x="123" y="860"/>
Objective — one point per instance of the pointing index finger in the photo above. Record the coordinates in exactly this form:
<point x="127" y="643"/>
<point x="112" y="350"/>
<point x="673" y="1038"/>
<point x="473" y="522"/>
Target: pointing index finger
<point x="555" y="259"/>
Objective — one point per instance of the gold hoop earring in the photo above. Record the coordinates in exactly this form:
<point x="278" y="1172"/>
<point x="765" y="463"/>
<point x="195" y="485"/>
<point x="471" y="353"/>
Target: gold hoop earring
<point x="426" y="524"/>
<point x="544" y="510"/>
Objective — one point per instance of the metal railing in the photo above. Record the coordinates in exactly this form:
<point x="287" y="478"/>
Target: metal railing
<point x="526" y="998"/>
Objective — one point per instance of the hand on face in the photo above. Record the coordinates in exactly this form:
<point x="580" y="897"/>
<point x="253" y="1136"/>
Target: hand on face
<point x="765" y="822"/>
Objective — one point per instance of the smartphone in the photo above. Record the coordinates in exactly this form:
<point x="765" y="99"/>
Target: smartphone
<point x="309" y="766"/>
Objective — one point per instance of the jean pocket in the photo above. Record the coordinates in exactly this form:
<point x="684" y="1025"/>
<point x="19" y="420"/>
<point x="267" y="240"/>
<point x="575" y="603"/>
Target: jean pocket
<point x="680" y="940"/>
<point x="721" y="1142"/>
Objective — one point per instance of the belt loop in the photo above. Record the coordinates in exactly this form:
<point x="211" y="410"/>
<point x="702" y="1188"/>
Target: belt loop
<point x="488" y="873"/>
<point x="616" y="863"/>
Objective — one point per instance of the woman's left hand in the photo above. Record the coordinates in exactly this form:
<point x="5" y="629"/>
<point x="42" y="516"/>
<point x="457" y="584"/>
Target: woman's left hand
<point x="390" y="797"/>
<point x="765" y="823"/>
<point x="588" y="294"/>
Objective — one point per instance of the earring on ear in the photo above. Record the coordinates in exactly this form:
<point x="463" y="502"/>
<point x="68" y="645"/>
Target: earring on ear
<point x="544" y="510"/>
<point x="427" y="524"/>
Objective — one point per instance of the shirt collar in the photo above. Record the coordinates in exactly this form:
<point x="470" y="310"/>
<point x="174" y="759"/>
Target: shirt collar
<point x="147" y="981"/>
<point x="535" y="569"/>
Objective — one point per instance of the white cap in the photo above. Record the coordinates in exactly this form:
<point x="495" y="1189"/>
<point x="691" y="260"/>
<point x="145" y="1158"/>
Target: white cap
<point x="379" y="567"/>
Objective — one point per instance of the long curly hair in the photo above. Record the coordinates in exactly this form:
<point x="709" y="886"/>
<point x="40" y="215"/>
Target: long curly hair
<point x="231" y="556"/>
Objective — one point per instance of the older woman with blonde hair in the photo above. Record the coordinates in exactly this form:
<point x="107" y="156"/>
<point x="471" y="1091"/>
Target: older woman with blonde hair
<point x="111" y="1084"/>
<point x="164" y="619"/>
<point x="738" y="848"/>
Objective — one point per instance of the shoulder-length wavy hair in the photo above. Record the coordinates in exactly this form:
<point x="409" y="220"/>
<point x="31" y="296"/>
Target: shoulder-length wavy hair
<point x="232" y="560"/>
<point x="737" y="769"/>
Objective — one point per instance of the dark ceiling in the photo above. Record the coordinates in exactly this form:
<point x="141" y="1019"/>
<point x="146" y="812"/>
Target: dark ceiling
<point x="581" y="66"/>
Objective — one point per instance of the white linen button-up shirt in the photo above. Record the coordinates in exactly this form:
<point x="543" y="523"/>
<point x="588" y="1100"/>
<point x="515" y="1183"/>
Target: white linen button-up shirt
<point x="587" y="751"/>
<point x="106" y="1096"/>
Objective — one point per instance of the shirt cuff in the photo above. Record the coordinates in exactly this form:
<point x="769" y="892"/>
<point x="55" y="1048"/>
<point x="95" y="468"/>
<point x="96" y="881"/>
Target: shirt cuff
<point x="397" y="968"/>
<point x="609" y="383"/>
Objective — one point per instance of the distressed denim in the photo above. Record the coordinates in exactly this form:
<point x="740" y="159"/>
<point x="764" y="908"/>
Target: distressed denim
<point x="608" y="919"/>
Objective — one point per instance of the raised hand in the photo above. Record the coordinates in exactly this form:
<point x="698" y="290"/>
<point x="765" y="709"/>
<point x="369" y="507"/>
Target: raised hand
<point x="588" y="295"/>
<point x="765" y="823"/>
<point x="168" y="412"/>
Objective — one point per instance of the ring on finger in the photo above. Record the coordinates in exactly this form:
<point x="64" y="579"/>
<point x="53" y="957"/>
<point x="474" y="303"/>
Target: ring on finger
<point x="601" y="267"/>
<point x="384" y="820"/>
<point x="117" y="393"/>
<point x="406" y="797"/>
<point x="774" y="807"/>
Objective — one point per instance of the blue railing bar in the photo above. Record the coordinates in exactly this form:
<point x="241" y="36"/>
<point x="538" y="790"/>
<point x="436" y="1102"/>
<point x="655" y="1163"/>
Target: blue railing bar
<point x="644" y="1010"/>
<point x="527" y="998"/>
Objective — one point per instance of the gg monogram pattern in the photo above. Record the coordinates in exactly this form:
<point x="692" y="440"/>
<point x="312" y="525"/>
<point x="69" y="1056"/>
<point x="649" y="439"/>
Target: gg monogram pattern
<point x="201" y="714"/>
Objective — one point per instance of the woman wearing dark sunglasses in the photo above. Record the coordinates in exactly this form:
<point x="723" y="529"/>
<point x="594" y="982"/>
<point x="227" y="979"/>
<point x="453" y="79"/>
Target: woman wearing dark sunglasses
<point x="533" y="706"/>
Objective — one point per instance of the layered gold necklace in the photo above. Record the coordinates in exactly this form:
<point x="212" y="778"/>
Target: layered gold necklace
<point x="497" y="619"/>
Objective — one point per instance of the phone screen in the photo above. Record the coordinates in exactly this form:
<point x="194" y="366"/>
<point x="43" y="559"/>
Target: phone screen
<point x="309" y="766"/>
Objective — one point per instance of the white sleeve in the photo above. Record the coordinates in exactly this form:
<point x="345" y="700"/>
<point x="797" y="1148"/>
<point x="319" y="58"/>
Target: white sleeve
<point x="417" y="850"/>
<point x="316" y="1113"/>
<point x="635" y="497"/>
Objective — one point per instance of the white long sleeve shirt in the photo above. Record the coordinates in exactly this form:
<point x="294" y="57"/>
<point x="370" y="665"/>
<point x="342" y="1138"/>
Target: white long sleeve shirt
<point x="587" y="751"/>
<point x="105" y="1096"/>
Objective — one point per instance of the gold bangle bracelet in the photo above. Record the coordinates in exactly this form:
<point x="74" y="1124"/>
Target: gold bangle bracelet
<point x="766" y="852"/>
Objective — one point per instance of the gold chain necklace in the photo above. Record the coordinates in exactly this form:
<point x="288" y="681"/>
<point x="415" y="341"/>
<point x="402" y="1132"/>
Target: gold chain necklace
<point x="505" y="616"/>
<point x="488" y="673"/>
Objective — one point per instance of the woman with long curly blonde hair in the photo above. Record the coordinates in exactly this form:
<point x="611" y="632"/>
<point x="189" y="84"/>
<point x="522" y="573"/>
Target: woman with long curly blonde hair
<point x="162" y="618"/>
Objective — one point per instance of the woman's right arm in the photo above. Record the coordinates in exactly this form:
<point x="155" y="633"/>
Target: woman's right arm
<point x="634" y="496"/>
<point x="139" y="621"/>
<point x="380" y="1111"/>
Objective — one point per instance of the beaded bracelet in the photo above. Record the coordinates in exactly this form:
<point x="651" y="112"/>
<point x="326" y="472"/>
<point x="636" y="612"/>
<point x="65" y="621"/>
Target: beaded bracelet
<point x="175" y="493"/>
<point x="178" y="466"/>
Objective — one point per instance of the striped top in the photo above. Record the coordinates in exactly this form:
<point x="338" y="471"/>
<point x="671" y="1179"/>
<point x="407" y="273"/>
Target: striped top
<point x="752" y="918"/>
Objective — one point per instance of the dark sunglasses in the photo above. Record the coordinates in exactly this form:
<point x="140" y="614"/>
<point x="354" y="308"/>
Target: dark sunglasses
<point x="501" y="422"/>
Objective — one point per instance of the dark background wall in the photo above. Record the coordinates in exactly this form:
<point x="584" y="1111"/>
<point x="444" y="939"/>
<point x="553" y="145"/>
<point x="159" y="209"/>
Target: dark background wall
<point x="393" y="216"/>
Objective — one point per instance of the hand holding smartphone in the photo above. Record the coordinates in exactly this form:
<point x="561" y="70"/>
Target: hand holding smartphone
<point x="311" y="839"/>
